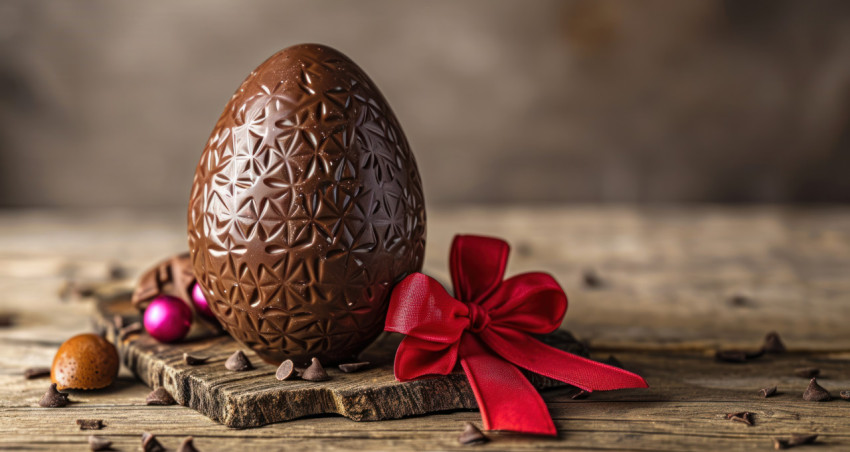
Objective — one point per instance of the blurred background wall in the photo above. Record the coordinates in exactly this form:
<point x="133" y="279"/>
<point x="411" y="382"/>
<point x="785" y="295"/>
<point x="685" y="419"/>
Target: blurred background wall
<point x="106" y="103"/>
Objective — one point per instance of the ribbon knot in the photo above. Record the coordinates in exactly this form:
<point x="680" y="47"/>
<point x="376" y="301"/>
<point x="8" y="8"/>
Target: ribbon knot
<point x="478" y="318"/>
<point x="487" y="327"/>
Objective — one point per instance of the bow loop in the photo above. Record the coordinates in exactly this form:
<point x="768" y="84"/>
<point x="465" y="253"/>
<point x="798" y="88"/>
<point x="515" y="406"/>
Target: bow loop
<point x="420" y="307"/>
<point x="529" y="302"/>
<point x="477" y="265"/>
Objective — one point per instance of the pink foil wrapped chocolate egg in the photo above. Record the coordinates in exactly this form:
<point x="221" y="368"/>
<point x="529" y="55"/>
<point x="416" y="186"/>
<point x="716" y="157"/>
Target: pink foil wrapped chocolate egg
<point x="168" y="318"/>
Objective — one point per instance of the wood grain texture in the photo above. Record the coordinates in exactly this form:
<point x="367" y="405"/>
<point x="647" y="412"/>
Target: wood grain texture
<point x="669" y="274"/>
<point x="255" y="397"/>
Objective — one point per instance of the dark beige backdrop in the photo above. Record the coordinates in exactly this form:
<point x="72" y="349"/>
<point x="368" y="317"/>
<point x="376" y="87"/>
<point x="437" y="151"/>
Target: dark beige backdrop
<point x="106" y="103"/>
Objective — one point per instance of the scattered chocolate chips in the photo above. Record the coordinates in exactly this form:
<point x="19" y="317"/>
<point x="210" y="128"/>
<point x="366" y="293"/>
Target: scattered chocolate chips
<point x="353" y="367"/>
<point x="99" y="443"/>
<point x="471" y="435"/>
<point x="773" y="343"/>
<point x="133" y="328"/>
<point x="844" y="395"/>
<point x="238" y="362"/>
<point x="285" y="371"/>
<point x="767" y="392"/>
<point x="53" y="398"/>
<point x="188" y="445"/>
<point x="159" y="397"/>
<point x="816" y="393"/>
<point x="90" y="424"/>
<point x="36" y="372"/>
<point x="315" y="372"/>
<point x="591" y="279"/>
<point x="194" y="360"/>
<point x="150" y="443"/>
<point x="743" y="416"/>
<point x="799" y="440"/>
<point x="807" y="372"/>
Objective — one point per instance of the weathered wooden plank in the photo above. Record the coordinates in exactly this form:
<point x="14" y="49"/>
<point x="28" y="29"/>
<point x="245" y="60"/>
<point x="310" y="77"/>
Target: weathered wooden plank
<point x="255" y="397"/>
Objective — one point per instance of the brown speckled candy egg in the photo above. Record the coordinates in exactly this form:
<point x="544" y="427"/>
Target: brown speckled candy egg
<point x="305" y="209"/>
<point x="85" y="361"/>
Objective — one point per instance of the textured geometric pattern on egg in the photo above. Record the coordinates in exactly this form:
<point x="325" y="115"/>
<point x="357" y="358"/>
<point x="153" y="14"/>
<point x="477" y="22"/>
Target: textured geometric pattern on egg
<point x="305" y="209"/>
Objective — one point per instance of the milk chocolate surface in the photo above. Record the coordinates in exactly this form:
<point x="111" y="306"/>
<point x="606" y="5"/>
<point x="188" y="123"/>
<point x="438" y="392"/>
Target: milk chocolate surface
<point x="306" y="208"/>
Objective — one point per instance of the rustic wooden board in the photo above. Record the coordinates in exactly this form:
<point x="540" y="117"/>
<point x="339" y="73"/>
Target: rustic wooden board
<point x="255" y="398"/>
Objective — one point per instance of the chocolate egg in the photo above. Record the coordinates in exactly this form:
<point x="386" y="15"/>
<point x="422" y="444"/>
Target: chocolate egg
<point x="85" y="361"/>
<point x="306" y="208"/>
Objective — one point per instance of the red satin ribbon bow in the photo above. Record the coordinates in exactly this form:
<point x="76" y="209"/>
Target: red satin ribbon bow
<point x="488" y="326"/>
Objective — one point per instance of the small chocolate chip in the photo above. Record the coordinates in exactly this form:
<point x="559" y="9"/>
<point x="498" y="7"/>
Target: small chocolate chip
<point x="844" y="395"/>
<point x="807" y="372"/>
<point x="238" y="362"/>
<point x="188" y="445"/>
<point x="767" y="392"/>
<point x="99" y="443"/>
<point x="743" y="416"/>
<point x="592" y="280"/>
<point x="6" y="319"/>
<point x="799" y="440"/>
<point x="159" y="396"/>
<point x="90" y="424"/>
<point x="353" y="367"/>
<point x="471" y="435"/>
<point x="739" y="300"/>
<point x="150" y="443"/>
<point x="116" y="271"/>
<point x="773" y="343"/>
<point x="194" y="360"/>
<point x="816" y="393"/>
<point x="315" y="372"/>
<point x="285" y="371"/>
<point x="53" y="398"/>
<point x="36" y="372"/>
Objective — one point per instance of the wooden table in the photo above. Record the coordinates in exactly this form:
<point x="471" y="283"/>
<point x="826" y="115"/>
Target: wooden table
<point x="676" y="284"/>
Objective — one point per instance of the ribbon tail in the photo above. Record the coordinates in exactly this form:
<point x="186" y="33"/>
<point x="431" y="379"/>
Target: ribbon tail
<point x="529" y="353"/>
<point x="505" y="397"/>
